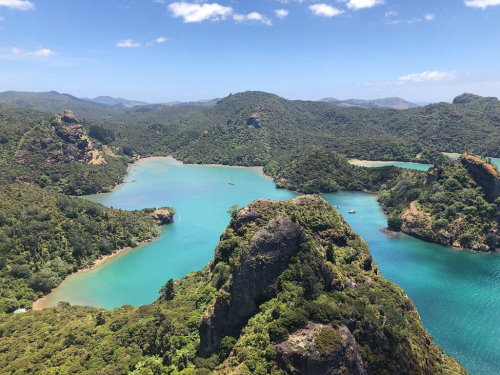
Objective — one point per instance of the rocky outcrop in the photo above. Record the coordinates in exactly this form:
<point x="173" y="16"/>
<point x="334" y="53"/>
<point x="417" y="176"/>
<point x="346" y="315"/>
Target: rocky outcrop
<point x="417" y="223"/>
<point x="297" y="292"/>
<point x="267" y="256"/>
<point x="163" y="216"/>
<point x="254" y="120"/>
<point x="63" y="141"/>
<point x="484" y="174"/>
<point x="310" y="351"/>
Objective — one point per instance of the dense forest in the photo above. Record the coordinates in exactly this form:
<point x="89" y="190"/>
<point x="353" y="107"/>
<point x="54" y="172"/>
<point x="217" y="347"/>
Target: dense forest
<point x="45" y="236"/>
<point x="316" y="170"/>
<point x="329" y="307"/>
<point x="325" y="287"/>
<point x="254" y="128"/>
<point x="456" y="204"/>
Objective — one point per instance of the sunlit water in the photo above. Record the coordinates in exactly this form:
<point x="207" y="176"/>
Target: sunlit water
<point x="401" y="164"/>
<point x="456" y="292"/>
<point x="408" y="165"/>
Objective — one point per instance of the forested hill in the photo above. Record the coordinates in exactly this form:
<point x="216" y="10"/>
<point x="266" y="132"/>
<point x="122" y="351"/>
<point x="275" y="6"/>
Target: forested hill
<point x="44" y="236"/>
<point x="291" y="288"/>
<point x="57" y="152"/>
<point x="457" y="204"/>
<point x="253" y="128"/>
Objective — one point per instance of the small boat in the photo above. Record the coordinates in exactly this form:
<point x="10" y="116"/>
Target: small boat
<point x="231" y="183"/>
<point x="353" y="211"/>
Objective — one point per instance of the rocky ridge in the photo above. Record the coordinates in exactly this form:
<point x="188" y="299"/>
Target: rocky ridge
<point x="292" y="277"/>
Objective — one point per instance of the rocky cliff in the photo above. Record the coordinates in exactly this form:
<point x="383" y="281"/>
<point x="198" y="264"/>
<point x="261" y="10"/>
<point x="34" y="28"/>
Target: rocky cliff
<point x="298" y="293"/>
<point x="484" y="174"/>
<point x="62" y="141"/>
<point x="456" y="205"/>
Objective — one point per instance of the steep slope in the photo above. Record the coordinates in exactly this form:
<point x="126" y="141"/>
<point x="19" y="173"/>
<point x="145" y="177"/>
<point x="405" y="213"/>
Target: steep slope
<point x="456" y="205"/>
<point x="291" y="290"/>
<point x="253" y="128"/>
<point x="55" y="153"/>
<point x="45" y="236"/>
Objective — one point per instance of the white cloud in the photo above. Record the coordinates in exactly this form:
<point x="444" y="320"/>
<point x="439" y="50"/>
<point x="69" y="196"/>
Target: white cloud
<point x="481" y="3"/>
<point x="161" y="39"/>
<point x="325" y="10"/>
<point x="428" y="76"/>
<point x="360" y="4"/>
<point x="190" y="12"/>
<point x="390" y="13"/>
<point x="253" y="16"/>
<point x="281" y="13"/>
<point x="42" y="52"/>
<point x="430" y="17"/>
<point x="128" y="43"/>
<point x="17" y="4"/>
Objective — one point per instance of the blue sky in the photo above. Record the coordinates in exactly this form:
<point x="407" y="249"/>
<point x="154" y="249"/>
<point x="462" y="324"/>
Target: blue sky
<point x="162" y="50"/>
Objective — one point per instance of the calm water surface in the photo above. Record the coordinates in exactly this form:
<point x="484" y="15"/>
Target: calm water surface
<point x="401" y="164"/>
<point x="409" y="165"/>
<point x="456" y="293"/>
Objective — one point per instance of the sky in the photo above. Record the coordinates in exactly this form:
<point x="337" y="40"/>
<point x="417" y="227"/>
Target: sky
<point x="162" y="50"/>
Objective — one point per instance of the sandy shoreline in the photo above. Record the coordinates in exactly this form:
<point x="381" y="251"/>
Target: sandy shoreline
<point x="40" y="303"/>
<point x="368" y="162"/>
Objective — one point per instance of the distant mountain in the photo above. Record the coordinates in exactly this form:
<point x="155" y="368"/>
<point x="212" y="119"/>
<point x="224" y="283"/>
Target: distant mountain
<point x="395" y="103"/>
<point x="198" y="103"/>
<point x="55" y="102"/>
<point x="109" y="100"/>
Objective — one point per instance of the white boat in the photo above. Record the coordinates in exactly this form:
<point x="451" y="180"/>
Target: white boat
<point x="353" y="211"/>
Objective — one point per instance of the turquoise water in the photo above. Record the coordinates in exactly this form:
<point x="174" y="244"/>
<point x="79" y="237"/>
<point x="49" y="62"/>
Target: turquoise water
<point x="456" y="293"/>
<point x="408" y="165"/>
<point x="201" y="196"/>
<point x="400" y="164"/>
<point x="453" y="155"/>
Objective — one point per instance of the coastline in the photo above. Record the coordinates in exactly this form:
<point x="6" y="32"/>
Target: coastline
<point x="131" y="165"/>
<point x="39" y="304"/>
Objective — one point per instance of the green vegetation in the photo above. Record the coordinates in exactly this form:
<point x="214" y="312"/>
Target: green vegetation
<point x="448" y="207"/>
<point x="347" y="294"/>
<point x="45" y="236"/>
<point x="315" y="170"/>
<point x="255" y="128"/>
<point x="56" y="154"/>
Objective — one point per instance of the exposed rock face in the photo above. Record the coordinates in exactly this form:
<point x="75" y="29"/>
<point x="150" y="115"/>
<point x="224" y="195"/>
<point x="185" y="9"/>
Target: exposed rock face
<point x="484" y="174"/>
<point x="268" y="255"/>
<point x="163" y="216"/>
<point x="300" y="355"/>
<point x="434" y="174"/>
<point x="64" y="141"/>
<point x="416" y="223"/>
<point x="254" y="120"/>
<point x="299" y="293"/>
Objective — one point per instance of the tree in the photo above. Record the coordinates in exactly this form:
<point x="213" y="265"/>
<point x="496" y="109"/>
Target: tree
<point x="233" y="210"/>
<point x="167" y="291"/>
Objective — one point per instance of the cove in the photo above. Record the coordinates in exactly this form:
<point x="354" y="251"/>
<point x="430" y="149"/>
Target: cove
<point x="408" y="165"/>
<point x="201" y="195"/>
<point x="401" y="164"/>
<point x="456" y="293"/>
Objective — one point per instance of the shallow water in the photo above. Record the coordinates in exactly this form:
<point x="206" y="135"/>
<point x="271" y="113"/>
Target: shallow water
<point x="400" y="164"/>
<point x="200" y="195"/>
<point x="456" y="293"/>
